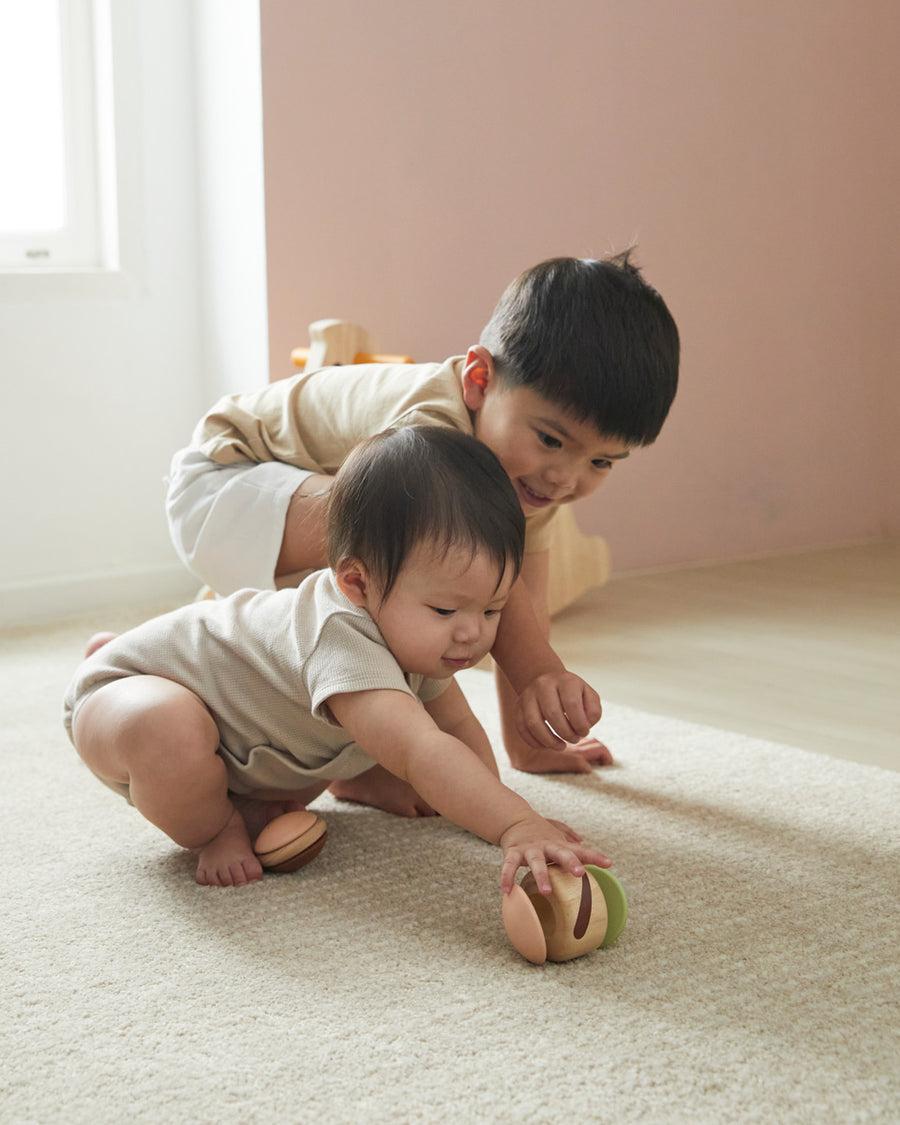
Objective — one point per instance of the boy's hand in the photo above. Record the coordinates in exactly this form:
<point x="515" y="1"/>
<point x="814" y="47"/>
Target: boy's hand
<point x="534" y="842"/>
<point x="565" y="702"/>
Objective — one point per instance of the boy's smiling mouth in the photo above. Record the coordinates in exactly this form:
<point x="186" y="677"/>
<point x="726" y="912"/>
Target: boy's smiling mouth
<point x="531" y="498"/>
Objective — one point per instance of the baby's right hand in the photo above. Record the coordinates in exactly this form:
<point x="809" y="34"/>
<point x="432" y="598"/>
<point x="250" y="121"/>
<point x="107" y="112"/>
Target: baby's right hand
<point x="534" y="842"/>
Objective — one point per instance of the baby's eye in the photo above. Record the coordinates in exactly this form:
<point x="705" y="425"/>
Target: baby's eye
<point x="491" y="612"/>
<point x="549" y="440"/>
<point x="602" y="463"/>
<point x="441" y="612"/>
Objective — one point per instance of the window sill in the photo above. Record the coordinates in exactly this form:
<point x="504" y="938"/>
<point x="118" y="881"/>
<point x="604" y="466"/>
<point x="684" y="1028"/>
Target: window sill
<point x="66" y="284"/>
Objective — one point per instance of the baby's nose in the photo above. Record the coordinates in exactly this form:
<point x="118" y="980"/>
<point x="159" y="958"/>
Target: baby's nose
<point x="466" y="629"/>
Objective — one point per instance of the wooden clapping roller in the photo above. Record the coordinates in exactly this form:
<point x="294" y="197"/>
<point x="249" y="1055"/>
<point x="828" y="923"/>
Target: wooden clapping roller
<point x="577" y="917"/>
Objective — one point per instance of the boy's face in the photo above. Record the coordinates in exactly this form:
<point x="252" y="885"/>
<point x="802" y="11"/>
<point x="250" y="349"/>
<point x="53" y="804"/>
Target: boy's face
<point x="550" y="457"/>
<point x="441" y="615"/>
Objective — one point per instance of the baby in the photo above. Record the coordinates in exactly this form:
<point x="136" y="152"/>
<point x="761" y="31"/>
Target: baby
<point x="218" y="716"/>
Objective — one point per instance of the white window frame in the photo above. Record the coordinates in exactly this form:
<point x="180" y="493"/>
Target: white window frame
<point x="98" y="40"/>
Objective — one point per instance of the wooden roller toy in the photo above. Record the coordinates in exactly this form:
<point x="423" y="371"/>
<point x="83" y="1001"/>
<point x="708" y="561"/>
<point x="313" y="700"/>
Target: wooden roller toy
<point x="290" y="841"/>
<point x="577" y="917"/>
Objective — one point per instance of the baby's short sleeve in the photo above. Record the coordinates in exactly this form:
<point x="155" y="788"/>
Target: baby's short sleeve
<point x="350" y="656"/>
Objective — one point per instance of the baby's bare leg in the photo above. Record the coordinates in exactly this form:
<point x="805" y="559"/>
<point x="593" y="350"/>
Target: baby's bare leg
<point x="262" y="805"/>
<point x="379" y="788"/>
<point x="159" y="739"/>
<point x="303" y="545"/>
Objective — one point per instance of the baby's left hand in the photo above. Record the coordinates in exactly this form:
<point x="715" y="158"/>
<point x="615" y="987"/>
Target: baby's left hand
<point x="565" y="702"/>
<point x="534" y="842"/>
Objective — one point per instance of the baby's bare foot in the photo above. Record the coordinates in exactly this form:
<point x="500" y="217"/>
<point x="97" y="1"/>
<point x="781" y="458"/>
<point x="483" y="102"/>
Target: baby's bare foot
<point x="98" y="640"/>
<point x="228" y="860"/>
<point x="258" y="813"/>
<point x="379" y="788"/>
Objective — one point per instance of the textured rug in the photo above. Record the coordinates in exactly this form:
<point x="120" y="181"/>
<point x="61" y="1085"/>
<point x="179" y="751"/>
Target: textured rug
<point x="757" y="979"/>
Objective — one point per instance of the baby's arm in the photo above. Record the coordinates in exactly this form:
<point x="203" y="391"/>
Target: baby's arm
<point x="399" y="734"/>
<point x="453" y="715"/>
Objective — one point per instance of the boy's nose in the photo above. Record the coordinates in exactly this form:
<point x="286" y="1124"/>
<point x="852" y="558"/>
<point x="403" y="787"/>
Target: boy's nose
<point x="561" y="477"/>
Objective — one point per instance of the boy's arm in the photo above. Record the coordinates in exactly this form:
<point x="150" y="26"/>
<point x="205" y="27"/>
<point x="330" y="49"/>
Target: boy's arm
<point x="547" y="692"/>
<point x="453" y="715"/>
<point x="398" y="733"/>
<point x="303" y="545"/>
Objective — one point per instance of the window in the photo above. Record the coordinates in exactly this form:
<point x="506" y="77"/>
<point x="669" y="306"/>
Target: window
<point x="57" y="200"/>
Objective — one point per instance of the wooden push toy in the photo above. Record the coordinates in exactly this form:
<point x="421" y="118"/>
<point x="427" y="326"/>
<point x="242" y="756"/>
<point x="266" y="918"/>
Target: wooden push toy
<point x="577" y="917"/>
<point x="335" y="342"/>
<point x="290" y="841"/>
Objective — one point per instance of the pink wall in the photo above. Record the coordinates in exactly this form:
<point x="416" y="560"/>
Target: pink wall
<point x="418" y="156"/>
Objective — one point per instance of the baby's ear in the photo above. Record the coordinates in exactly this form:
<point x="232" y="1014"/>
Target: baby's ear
<point x="477" y="374"/>
<point x="353" y="581"/>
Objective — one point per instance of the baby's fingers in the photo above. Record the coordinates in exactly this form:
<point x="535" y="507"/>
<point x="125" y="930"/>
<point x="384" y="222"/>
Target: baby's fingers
<point x="511" y="864"/>
<point x="538" y="864"/>
<point x="573" y="859"/>
<point x="570" y="834"/>
<point x="532" y="857"/>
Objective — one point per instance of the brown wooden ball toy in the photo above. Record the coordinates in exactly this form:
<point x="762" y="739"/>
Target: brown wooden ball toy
<point x="290" y="841"/>
<point x="577" y="917"/>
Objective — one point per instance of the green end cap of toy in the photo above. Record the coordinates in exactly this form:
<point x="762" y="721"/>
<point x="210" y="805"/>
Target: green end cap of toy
<point x="616" y="902"/>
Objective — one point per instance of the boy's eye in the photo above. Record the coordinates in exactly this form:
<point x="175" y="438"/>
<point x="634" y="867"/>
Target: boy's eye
<point x="601" y="463"/>
<point x="491" y="612"/>
<point x="441" y="612"/>
<point x="549" y="440"/>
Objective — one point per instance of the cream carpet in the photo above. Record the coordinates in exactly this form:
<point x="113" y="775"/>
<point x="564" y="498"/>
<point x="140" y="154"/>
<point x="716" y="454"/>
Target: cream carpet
<point x="757" y="979"/>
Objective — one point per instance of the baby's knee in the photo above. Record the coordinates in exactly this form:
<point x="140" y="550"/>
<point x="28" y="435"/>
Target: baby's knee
<point x="178" y="734"/>
<point x="144" y="723"/>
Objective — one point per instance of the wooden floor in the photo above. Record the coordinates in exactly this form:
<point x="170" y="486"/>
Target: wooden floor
<point x="802" y="649"/>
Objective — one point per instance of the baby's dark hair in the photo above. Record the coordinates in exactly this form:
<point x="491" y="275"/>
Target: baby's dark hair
<point x="593" y="337"/>
<point x="422" y="484"/>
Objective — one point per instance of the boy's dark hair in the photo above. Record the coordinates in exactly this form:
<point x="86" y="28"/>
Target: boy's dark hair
<point x="594" y="338"/>
<point x="421" y="484"/>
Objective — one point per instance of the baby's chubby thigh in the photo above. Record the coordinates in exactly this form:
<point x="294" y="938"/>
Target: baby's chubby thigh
<point x="151" y="734"/>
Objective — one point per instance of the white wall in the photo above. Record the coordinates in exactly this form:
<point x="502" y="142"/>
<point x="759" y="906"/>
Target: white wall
<point x="231" y="217"/>
<point x="103" y="378"/>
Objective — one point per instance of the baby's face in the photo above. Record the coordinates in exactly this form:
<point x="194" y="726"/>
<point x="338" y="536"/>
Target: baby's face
<point x="443" y="612"/>
<point x="550" y="457"/>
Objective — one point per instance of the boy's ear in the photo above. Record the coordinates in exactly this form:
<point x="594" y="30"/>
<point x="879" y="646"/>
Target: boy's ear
<point x="477" y="375"/>
<point x="353" y="581"/>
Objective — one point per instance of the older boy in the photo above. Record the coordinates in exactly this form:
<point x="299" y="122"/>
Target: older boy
<point x="577" y="366"/>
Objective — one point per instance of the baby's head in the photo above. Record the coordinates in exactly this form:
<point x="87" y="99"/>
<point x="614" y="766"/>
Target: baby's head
<point x="426" y="532"/>
<point x="592" y="337"/>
